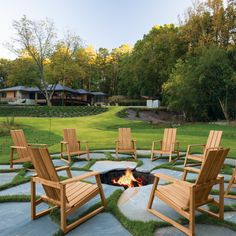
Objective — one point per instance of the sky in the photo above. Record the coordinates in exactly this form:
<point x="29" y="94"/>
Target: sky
<point x="101" y="23"/>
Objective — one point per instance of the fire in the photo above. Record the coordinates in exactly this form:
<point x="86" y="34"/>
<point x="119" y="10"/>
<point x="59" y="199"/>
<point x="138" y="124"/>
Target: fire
<point x="128" y="180"/>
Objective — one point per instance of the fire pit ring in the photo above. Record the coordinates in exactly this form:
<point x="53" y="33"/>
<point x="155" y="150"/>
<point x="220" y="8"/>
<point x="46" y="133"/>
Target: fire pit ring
<point x="122" y="178"/>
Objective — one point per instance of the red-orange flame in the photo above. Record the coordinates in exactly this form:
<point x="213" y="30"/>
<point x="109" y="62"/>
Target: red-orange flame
<point x="128" y="180"/>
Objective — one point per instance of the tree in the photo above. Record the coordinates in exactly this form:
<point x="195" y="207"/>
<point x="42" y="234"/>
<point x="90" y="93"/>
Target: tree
<point x="202" y="85"/>
<point x="38" y="40"/>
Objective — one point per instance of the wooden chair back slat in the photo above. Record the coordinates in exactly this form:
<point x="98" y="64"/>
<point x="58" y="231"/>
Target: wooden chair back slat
<point x="211" y="166"/>
<point x="169" y="137"/>
<point x="71" y="137"/>
<point x="45" y="169"/>
<point x="214" y="139"/>
<point x="19" y="140"/>
<point x="125" y="138"/>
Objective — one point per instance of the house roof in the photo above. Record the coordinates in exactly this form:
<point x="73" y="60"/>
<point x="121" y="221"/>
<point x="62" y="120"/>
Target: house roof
<point x="82" y="91"/>
<point x="20" y="88"/>
<point x="58" y="88"/>
<point x="98" y="93"/>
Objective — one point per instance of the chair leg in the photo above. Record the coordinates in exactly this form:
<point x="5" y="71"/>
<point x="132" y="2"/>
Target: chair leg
<point x="33" y="200"/>
<point x="63" y="208"/>
<point x="231" y="182"/>
<point x="221" y="200"/>
<point x="135" y="155"/>
<point x="11" y="158"/>
<point x="156" y="180"/>
<point x="116" y="154"/>
<point x="192" y="212"/>
<point x="101" y="192"/>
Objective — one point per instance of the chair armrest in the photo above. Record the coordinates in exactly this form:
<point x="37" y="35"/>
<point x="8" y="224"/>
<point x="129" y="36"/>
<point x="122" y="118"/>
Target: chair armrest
<point x="190" y="169"/>
<point x="60" y="168"/>
<point x="49" y="183"/>
<point x="172" y="179"/>
<point x="18" y="147"/>
<point x="37" y="144"/>
<point x="78" y="178"/>
<point x="64" y="142"/>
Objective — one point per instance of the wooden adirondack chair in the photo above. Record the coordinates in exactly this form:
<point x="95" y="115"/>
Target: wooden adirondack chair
<point x="185" y="197"/>
<point x="232" y="184"/>
<point x="125" y="143"/>
<point x="68" y="194"/>
<point x="168" y="145"/>
<point x="213" y="141"/>
<point x="72" y="145"/>
<point x="21" y="147"/>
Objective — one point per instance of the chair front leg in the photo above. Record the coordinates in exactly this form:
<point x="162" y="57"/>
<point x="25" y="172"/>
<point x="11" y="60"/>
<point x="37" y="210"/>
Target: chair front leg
<point x="192" y="211"/>
<point x="33" y="200"/>
<point x="63" y="207"/>
<point x="186" y="157"/>
<point x="156" y="180"/>
<point x="11" y="157"/>
<point x="152" y="149"/>
<point x="101" y="192"/>
<point x="221" y="199"/>
<point x="87" y="150"/>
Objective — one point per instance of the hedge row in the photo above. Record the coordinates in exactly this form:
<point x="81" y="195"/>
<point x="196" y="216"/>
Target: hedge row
<point x="54" y="111"/>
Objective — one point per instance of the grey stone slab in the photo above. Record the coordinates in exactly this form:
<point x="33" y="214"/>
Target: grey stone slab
<point x="148" y="165"/>
<point x="80" y="164"/>
<point x="230" y="216"/>
<point x="108" y="190"/>
<point x="230" y="161"/>
<point x="103" y="224"/>
<point x="16" y="221"/>
<point x="59" y="162"/>
<point x="201" y="230"/>
<point x="121" y="155"/>
<point x="7" y="177"/>
<point x="7" y="167"/>
<point x="227" y="201"/>
<point x="133" y="204"/>
<point x="105" y="166"/>
<point x="94" y="156"/>
<point x="22" y="189"/>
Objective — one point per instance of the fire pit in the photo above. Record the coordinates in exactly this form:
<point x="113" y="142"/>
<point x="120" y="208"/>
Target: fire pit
<point x="127" y="178"/>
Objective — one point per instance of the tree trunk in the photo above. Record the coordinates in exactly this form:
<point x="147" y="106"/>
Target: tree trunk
<point x="224" y="110"/>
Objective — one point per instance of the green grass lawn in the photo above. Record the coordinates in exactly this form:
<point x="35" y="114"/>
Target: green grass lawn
<point x="101" y="132"/>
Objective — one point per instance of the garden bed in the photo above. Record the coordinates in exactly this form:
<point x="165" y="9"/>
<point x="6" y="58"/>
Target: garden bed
<point x="55" y="111"/>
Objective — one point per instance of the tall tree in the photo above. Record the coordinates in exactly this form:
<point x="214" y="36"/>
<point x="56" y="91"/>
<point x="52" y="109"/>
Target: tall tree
<point x="38" y="39"/>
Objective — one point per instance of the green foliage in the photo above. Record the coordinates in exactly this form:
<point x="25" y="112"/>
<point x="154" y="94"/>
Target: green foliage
<point x="8" y="125"/>
<point x="200" y="84"/>
<point x="55" y="111"/>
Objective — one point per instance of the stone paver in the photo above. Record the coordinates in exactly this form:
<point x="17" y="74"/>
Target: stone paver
<point x="105" y="166"/>
<point x="133" y="204"/>
<point x="80" y="164"/>
<point x="22" y="189"/>
<point x="230" y="216"/>
<point x="16" y="220"/>
<point x="59" y="162"/>
<point x="201" y="230"/>
<point x="7" y="167"/>
<point x="103" y="224"/>
<point x="94" y="156"/>
<point x="230" y="161"/>
<point x="148" y="165"/>
<point x="7" y="177"/>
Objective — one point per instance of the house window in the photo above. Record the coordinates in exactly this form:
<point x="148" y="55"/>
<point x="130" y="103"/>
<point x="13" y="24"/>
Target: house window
<point x="14" y="94"/>
<point x="4" y="95"/>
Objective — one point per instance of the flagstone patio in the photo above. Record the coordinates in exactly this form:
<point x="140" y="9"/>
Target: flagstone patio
<point x="132" y="202"/>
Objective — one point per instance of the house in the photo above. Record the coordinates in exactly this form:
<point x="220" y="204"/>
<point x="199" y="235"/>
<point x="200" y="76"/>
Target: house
<point x="62" y="95"/>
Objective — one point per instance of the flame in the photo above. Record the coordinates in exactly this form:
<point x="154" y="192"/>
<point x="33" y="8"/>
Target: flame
<point x="128" y="180"/>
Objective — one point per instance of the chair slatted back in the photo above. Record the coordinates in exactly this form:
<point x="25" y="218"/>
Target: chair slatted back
<point x="125" y="138"/>
<point x="45" y="169"/>
<point x="211" y="166"/>
<point x="19" y="140"/>
<point x="214" y="139"/>
<point x="71" y="137"/>
<point x="169" y="137"/>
